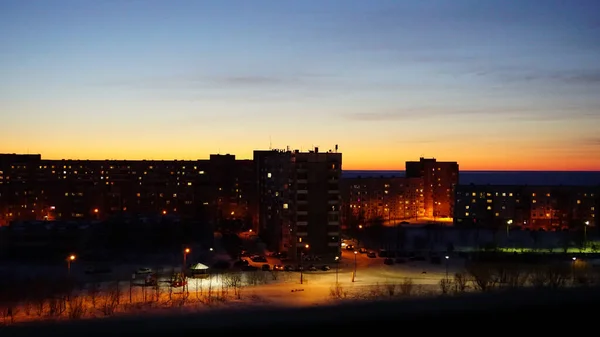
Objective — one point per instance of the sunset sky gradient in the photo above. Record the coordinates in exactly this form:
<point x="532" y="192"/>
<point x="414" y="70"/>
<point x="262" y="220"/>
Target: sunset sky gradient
<point x="495" y="84"/>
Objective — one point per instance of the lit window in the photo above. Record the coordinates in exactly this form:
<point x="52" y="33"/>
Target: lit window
<point x="466" y="213"/>
<point x="269" y="175"/>
<point x="285" y="206"/>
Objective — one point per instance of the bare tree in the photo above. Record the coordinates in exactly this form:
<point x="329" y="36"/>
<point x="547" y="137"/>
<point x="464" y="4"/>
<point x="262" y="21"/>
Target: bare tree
<point x="93" y="292"/>
<point x="76" y="308"/>
<point x="483" y="277"/>
<point x="461" y="283"/>
<point x="406" y="287"/>
<point x="234" y="281"/>
<point x="446" y="286"/>
<point x="516" y="277"/>
<point x="111" y="300"/>
<point x="390" y="289"/>
<point x="337" y="292"/>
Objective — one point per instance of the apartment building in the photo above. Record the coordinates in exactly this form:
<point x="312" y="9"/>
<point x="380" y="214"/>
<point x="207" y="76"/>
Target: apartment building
<point x="439" y="181"/>
<point x="386" y="198"/>
<point x="534" y="207"/>
<point x="299" y="195"/>
<point x="33" y="188"/>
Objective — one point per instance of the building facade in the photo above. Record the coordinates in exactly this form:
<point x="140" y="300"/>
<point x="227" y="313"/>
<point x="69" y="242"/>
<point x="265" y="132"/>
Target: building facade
<point x="299" y="195"/>
<point x="439" y="181"/>
<point x="534" y="207"/>
<point x="385" y="198"/>
<point x="32" y="188"/>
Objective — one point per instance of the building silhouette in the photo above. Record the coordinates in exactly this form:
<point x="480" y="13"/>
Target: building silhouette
<point x="533" y="207"/>
<point x="217" y="189"/>
<point x="439" y="182"/>
<point x="299" y="198"/>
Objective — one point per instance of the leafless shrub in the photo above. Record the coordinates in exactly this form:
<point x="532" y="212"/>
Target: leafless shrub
<point x="375" y="292"/>
<point x="557" y="276"/>
<point x="516" y="277"/>
<point x="76" y="307"/>
<point x="406" y="287"/>
<point x="337" y="292"/>
<point x="256" y="278"/>
<point x="390" y="288"/>
<point x="446" y="286"/>
<point x="483" y="276"/>
<point x="234" y="281"/>
<point x="93" y="291"/>
<point x="538" y="278"/>
<point x="111" y="300"/>
<point x="461" y="283"/>
<point x="56" y="307"/>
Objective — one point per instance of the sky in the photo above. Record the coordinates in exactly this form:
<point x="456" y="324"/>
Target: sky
<point x="494" y="85"/>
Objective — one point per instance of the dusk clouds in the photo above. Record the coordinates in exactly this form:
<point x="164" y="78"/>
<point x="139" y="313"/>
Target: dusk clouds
<point x="329" y="66"/>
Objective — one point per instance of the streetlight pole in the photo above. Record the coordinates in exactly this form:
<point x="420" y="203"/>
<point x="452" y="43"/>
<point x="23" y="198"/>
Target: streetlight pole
<point x="354" y="274"/>
<point x="302" y="264"/>
<point x="585" y="226"/>
<point x="185" y="253"/>
<point x="447" y="260"/>
<point x="337" y="269"/>
<point x="508" y="223"/>
<point x="70" y="259"/>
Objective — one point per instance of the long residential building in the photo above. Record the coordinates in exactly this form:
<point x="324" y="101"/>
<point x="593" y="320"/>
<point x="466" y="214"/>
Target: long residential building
<point x="534" y="207"/>
<point x="32" y="188"/>
<point x="426" y="192"/>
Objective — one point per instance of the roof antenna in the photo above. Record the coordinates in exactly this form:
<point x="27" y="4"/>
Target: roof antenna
<point x="270" y="143"/>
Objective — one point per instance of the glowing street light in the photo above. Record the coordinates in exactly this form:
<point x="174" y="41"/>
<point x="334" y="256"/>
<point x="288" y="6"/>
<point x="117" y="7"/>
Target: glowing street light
<point x="70" y="259"/>
<point x="185" y="253"/>
<point x="96" y="210"/>
<point x="164" y="212"/>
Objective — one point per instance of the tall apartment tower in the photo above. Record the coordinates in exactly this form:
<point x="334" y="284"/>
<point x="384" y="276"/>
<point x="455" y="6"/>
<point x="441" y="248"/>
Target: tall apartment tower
<point x="439" y="181"/>
<point x="299" y="197"/>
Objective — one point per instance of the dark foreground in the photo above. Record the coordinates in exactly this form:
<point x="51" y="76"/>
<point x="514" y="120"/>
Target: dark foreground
<point x="477" y="314"/>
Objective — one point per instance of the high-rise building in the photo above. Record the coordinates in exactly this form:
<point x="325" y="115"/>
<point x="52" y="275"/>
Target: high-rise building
<point x="299" y="196"/>
<point x="439" y="181"/>
<point x="273" y="169"/>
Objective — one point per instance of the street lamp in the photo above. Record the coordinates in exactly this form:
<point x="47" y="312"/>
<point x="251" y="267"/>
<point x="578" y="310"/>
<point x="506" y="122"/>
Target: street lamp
<point x="185" y="253"/>
<point x="70" y="259"/>
<point x="447" y="260"/>
<point x="354" y="274"/>
<point x="337" y="269"/>
<point x="586" y="224"/>
<point x="508" y="223"/>
<point x="306" y="246"/>
<point x="210" y="249"/>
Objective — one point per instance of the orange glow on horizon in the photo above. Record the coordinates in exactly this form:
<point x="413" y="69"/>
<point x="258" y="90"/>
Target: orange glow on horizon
<point x="376" y="159"/>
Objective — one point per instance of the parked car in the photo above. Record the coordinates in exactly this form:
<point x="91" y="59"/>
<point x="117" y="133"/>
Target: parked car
<point x="325" y="268"/>
<point x="371" y="255"/>
<point x="143" y="270"/>
<point x="312" y="267"/>
<point x="388" y="261"/>
<point x="266" y="267"/>
<point x="277" y="267"/>
<point x="288" y="268"/>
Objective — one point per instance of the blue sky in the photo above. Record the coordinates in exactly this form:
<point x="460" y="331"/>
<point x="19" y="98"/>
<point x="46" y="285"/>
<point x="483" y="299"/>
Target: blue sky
<point x="492" y="84"/>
